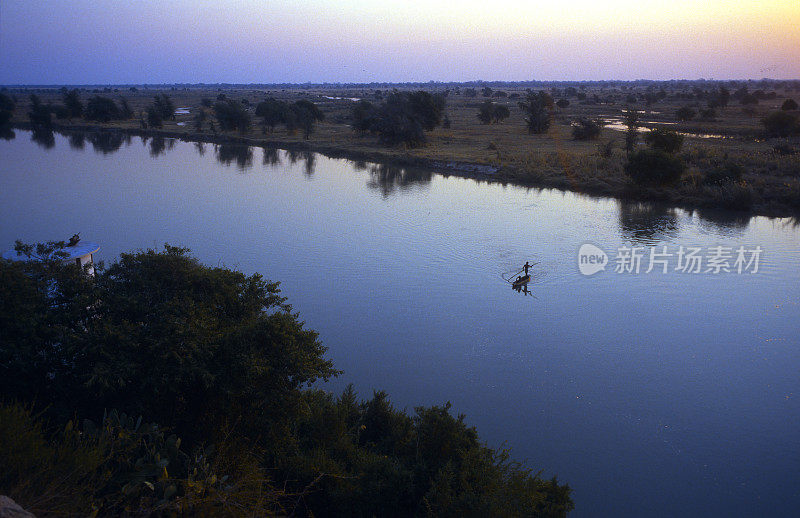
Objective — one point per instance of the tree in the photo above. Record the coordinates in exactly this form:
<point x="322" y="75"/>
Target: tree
<point x="685" y="113"/>
<point x="780" y="124"/>
<point x="272" y="112"/>
<point x="72" y="100"/>
<point x="231" y="115"/>
<point x="562" y="103"/>
<point x="125" y="111"/>
<point x="6" y="102"/>
<point x="486" y="92"/>
<point x="489" y="112"/>
<point x="789" y="105"/>
<point x="404" y="117"/>
<point x="586" y="129"/>
<point x="632" y="132"/>
<point x="40" y="115"/>
<point x="307" y="114"/>
<point x="664" y="140"/>
<point x="470" y="92"/>
<point x="653" y="166"/>
<point x="362" y="115"/>
<point x="102" y="109"/>
<point x="165" y="107"/>
<point x="537" y="106"/>
<point x="154" y="119"/>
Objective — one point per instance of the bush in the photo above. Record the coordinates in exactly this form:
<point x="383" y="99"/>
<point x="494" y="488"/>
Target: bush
<point x="653" y="166"/>
<point x="231" y="115"/>
<point x="685" y="114"/>
<point x="404" y="117"/>
<point x="780" y="124"/>
<point x="789" y="105"/>
<point x="728" y="173"/>
<point x="101" y="109"/>
<point x="562" y="103"/>
<point x="586" y="129"/>
<point x="489" y="112"/>
<point x="537" y="107"/>
<point x="664" y="140"/>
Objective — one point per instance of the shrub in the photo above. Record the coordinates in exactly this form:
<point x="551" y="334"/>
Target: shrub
<point x="728" y="173"/>
<point x="101" y="109"/>
<point x="653" y="166"/>
<point x="780" y="124"/>
<point x="154" y="119"/>
<point x="231" y="115"/>
<point x="562" y="103"/>
<point x="586" y="129"/>
<point x="664" y="140"/>
<point x="789" y="105"/>
<point x="537" y="107"/>
<point x="489" y="112"/>
<point x="685" y="113"/>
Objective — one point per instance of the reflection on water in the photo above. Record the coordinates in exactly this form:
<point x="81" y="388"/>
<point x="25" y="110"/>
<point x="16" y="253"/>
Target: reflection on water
<point x="271" y="156"/>
<point x="646" y="223"/>
<point x="200" y="147"/>
<point x="6" y="133"/>
<point x="106" y="142"/>
<point x="229" y="153"/>
<point x="160" y="145"/>
<point x="43" y="137"/>
<point x="76" y="139"/>
<point x="388" y="177"/>
<point x="724" y="222"/>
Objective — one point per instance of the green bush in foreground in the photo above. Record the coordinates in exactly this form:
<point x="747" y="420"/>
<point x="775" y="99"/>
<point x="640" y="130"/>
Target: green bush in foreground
<point x="655" y="167"/>
<point x="219" y="359"/>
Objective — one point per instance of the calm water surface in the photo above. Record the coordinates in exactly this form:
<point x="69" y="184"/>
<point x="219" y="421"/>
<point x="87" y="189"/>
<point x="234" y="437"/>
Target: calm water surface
<point x="651" y="394"/>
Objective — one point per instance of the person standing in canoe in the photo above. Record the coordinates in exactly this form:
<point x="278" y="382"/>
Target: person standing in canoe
<point x="526" y="267"/>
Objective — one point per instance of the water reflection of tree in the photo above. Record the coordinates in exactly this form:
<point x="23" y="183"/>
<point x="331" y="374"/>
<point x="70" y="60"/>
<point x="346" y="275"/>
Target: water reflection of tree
<point x="6" y="133"/>
<point x="271" y="156"/>
<point x="388" y="177"/>
<point x="107" y="142"/>
<point x="76" y="139"/>
<point x="43" y="137"/>
<point x="310" y="160"/>
<point x="200" y="147"/>
<point x="647" y="223"/>
<point x="723" y="221"/>
<point x="229" y="153"/>
<point x="160" y="145"/>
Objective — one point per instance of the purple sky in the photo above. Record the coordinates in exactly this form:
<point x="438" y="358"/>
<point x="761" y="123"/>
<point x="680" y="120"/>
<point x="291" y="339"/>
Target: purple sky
<point x="266" y="41"/>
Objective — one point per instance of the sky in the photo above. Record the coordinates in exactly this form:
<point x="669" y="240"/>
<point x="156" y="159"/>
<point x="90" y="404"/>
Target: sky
<point x="299" y="41"/>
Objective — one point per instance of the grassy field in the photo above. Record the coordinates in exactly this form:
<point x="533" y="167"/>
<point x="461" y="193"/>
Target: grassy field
<point x="770" y="184"/>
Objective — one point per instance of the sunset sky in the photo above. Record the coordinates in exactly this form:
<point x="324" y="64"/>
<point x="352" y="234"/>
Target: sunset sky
<point x="266" y="41"/>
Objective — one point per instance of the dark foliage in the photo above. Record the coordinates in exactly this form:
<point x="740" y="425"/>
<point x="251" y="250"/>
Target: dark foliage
<point x="404" y="117"/>
<point x="781" y="124"/>
<point x="232" y="116"/>
<point x="164" y="106"/>
<point x="562" y="103"/>
<point x="685" y="113"/>
<point x="664" y="140"/>
<point x="219" y="358"/>
<point x="727" y="173"/>
<point x="537" y="106"/>
<point x="72" y="101"/>
<point x="306" y="114"/>
<point x="789" y="105"/>
<point x="154" y="119"/>
<point x="586" y="129"/>
<point x="272" y="112"/>
<point x="102" y="109"/>
<point x="40" y="114"/>
<point x="654" y="166"/>
<point x="489" y="112"/>
<point x="362" y="115"/>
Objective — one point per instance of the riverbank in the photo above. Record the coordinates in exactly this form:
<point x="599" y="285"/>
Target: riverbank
<point x="506" y="153"/>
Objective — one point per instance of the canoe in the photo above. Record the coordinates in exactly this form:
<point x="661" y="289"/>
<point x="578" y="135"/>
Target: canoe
<point x="525" y="279"/>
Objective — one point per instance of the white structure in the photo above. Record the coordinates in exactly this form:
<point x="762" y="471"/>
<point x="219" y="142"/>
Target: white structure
<point x="81" y="253"/>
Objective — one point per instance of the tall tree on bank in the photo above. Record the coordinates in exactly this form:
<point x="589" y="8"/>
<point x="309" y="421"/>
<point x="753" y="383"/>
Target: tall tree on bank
<point x="537" y="107"/>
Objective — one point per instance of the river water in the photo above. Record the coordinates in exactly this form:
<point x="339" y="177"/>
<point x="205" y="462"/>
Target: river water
<point x="652" y="394"/>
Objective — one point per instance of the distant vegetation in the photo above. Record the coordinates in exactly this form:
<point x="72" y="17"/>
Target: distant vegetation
<point x="88" y="365"/>
<point x="402" y="119"/>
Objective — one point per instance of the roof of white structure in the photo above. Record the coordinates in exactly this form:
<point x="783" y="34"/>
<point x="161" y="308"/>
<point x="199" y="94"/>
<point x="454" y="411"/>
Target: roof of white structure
<point x="81" y="249"/>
